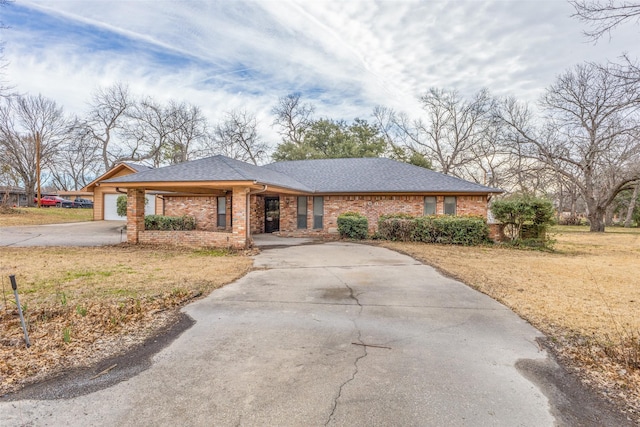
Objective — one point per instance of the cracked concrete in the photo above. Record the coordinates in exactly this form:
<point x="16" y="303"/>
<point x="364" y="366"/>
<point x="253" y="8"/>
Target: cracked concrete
<point x="354" y="297"/>
<point x="337" y="334"/>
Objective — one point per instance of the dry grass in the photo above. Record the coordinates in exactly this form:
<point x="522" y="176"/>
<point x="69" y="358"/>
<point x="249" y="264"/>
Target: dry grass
<point x="84" y="303"/>
<point x="585" y="295"/>
<point x="39" y="216"/>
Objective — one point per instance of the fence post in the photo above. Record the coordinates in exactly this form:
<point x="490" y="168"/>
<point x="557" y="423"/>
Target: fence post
<point x="14" y="285"/>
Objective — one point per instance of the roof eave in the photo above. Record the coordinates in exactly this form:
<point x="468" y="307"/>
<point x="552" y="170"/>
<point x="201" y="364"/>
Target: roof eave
<point x="405" y="192"/>
<point x="90" y="186"/>
<point x="200" y="186"/>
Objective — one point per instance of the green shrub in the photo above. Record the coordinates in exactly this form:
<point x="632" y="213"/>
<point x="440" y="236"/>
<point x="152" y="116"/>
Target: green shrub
<point x="396" y="216"/>
<point x="399" y="227"/>
<point x="161" y="222"/>
<point x="454" y="230"/>
<point x="353" y="225"/>
<point x="121" y="205"/>
<point x="524" y="217"/>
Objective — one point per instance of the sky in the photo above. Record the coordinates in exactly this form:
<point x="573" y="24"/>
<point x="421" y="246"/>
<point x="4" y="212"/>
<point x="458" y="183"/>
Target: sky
<point x="345" y="57"/>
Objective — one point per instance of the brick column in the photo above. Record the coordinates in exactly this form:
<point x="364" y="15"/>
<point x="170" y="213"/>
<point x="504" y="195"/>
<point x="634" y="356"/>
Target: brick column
<point x="135" y="214"/>
<point x="439" y="205"/>
<point x="229" y="204"/>
<point x="240" y="214"/>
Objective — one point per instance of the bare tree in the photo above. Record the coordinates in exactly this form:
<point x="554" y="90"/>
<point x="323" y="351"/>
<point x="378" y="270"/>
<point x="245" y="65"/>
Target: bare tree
<point x="293" y="118"/>
<point x="632" y="205"/>
<point x="605" y="15"/>
<point x="164" y="133"/>
<point x="590" y="135"/>
<point x="107" y="116"/>
<point x="568" y="198"/>
<point x="189" y="131"/>
<point x="455" y="134"/>
<point x="77" y="162"/>
<point x="385" y="118"/>
<point x="398" y="148"/>
<point x="236" y="136"/>
<point x="22" y="120"/>
<point x="149" y="132"/>
<point x="5" y="88"/>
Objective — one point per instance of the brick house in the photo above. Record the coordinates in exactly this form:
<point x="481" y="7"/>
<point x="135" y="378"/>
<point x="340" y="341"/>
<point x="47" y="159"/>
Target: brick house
<point x="232" y="200"/>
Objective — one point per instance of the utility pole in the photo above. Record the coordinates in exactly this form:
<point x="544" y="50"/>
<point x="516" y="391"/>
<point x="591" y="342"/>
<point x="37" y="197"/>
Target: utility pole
<point x="38" y="166"/>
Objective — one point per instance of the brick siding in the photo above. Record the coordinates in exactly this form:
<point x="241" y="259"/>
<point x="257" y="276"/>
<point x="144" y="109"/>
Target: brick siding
<point x="496" y="233"/>
<point x="370" y="206"/>
<point x="194" y="238"/>
<point x="204" y="209"/>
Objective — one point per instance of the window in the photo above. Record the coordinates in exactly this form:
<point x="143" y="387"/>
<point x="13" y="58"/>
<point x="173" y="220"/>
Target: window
<point x="430" y="205"/>
<point x="318" y="211"/>
<point x="450" y="205"/>
<point x="302" y="212"/>
<point x="222" y="212"/>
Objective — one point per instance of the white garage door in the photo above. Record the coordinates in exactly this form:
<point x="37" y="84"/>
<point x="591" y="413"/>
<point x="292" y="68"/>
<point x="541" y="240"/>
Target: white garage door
<point x="111" y="207"/>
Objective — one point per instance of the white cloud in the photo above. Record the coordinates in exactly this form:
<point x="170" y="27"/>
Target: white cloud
<point x="346" y="56"/>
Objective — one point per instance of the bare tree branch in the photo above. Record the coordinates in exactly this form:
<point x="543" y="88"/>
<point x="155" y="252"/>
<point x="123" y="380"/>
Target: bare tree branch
<point x="5" y="87"/>
<point x="603" y="16"/>
<point x="77" y="161"/>
<point x="293" y="118"/>
<point x="236" y="136"/>
<point x="106" y="119"/>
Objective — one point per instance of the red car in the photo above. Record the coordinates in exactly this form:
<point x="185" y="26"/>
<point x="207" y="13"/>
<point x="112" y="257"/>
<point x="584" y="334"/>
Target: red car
<point x="54" y="201"/>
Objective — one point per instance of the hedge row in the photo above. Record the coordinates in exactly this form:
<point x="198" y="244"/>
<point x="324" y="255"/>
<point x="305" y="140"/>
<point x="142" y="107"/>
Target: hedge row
<point x="455" y="230"/>
<point x="161" y="222"/>
<point x="353" y="225"/>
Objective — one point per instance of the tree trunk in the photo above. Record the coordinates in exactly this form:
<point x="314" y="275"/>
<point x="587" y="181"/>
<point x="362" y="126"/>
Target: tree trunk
<point x="596" y="220"/>
<point x="560" y="205"/>
<point x="608" y="215"/>
<point x="31" y="194"/>
<point x="632" y="206"/>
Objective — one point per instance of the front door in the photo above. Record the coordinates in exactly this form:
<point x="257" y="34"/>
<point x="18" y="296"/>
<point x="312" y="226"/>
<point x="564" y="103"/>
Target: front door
<point x="271" y="214"/>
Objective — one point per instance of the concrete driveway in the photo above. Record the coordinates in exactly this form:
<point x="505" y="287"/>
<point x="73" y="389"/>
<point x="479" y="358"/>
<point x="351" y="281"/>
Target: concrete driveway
<point x="92" y="233"/>
<point x="333" y="334"/>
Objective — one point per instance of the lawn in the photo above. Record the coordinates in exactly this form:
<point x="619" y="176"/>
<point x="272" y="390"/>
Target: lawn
<point x="584" y="295"/>
<point x="39" y="216"/>
<point x="83" y="304"/>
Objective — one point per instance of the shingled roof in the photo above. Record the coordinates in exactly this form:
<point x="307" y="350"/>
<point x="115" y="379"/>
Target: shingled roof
<point x="373" y="175"/>
<point x="137" y="167"/>
<point x="216" y="168"/>
<point x="365" y="175"/>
